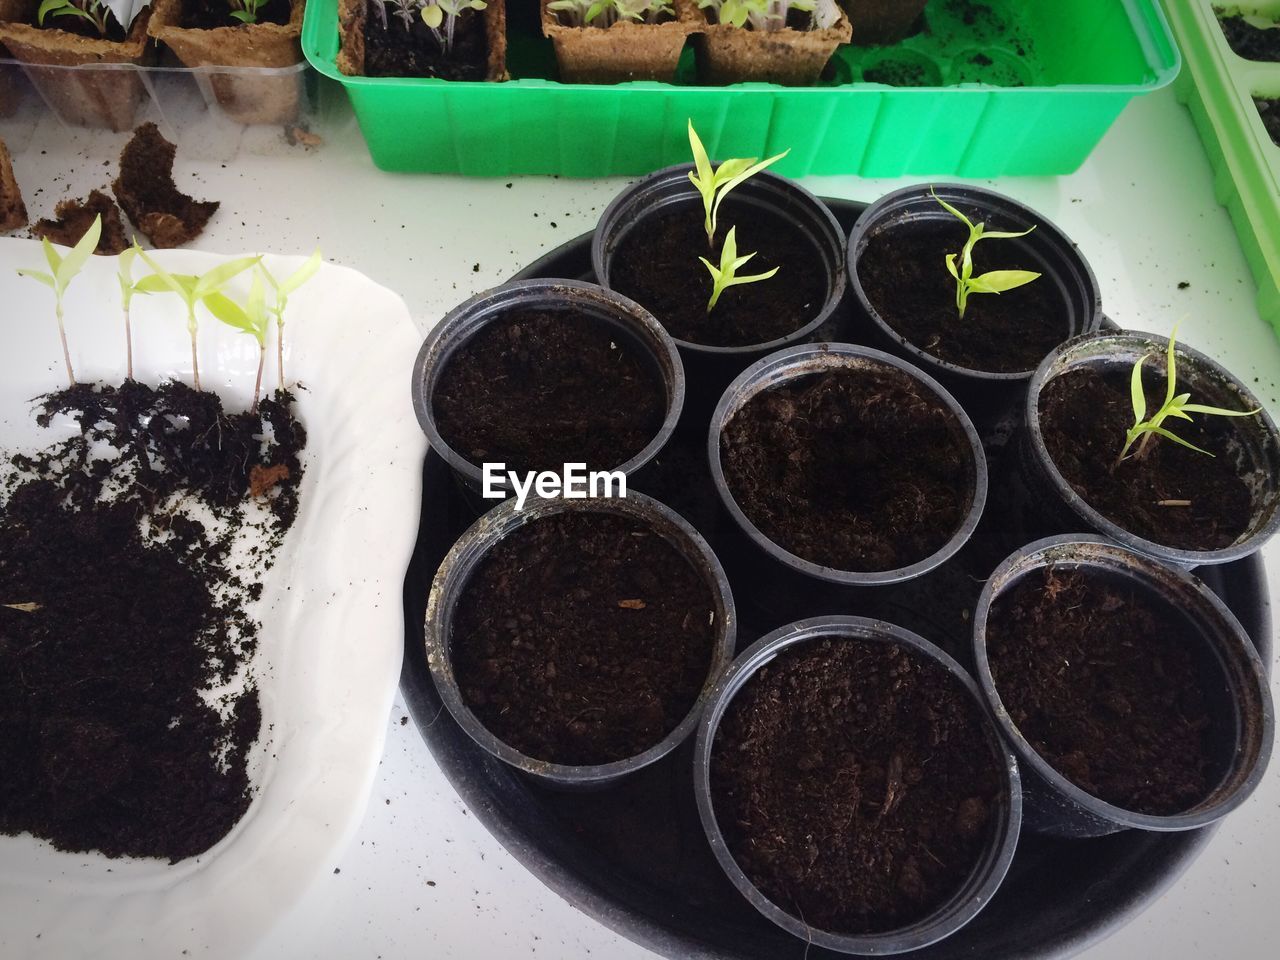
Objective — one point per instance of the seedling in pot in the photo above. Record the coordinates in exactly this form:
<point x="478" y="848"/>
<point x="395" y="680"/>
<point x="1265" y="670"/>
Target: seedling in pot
<point x="765" y="15"/>
<point x="1176" y="406"/>
<point x="442" y="17"/>
<point x="253" y="318"/>
<point x="714" y="185"/>
<point x="192" y="290"/>
<point x="605" y="13"/>
<point x="726" y="275"/>
<point x="90" y="10"/>
<point x="62" y="271"/>
<point x="997" y="281"/>
<point x="246" y="11"/>
<point x="282" y="290"/>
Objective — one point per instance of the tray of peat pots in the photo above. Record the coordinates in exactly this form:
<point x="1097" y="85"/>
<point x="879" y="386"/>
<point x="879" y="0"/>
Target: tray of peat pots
<point x="1152" y="444"/>
<point x="1130" y="692"/>
<point x="925" y="265"/>
<point x="858" y="486"/>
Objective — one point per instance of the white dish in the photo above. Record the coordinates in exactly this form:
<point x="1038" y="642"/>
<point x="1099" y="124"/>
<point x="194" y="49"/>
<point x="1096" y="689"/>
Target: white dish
<point x="332" y="624"/>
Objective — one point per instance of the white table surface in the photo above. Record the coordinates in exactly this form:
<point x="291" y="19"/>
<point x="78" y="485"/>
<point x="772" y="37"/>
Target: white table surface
<point x="422" y="878"/>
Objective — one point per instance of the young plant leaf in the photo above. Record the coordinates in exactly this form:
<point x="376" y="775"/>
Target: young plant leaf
<point x="80" y="253"/>
<point x="726" y="275"/>
<point x="996" y="281"/>
<point x="38" y="275"/>
<point x="1137" y="395"/>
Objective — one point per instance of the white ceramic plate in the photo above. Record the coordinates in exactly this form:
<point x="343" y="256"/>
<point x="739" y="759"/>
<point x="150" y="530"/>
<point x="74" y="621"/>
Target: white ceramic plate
<point x="332" y="624"/>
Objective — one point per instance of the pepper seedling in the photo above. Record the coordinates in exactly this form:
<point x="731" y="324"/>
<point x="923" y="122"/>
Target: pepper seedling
<point x="192" y="290"/>
<point x="124" y="276"/>
<point x="282" y="290"/>
<point x="438" y="13"/>
<point x="91" y="10"/>
<point x="246" y="11"/>
<point x="714" y="185"/>
<point x="996" y="281"/>
<point x="1175" y="405"/>
<point x="762" y="15"/>
<point x="253" y="318"/>
<point x="605" y="13"/>
<point x="62" y="271"/>
<point x="726" y="275"/>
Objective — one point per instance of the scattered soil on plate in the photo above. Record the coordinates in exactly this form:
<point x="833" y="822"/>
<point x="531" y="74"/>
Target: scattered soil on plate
<point x="1250" y="42"/>
<point x="211" y="14"/>
<point x="1269" y="110"/>
<point x="1101" y="679"/>
<point x="656" y="264"/>
<point x="79" y="26"/>
<point x="903" y="272"/>
<point x="854" y="784"/>
<point x="126" y="704"/>
<point x="860" y="470"/>
<point x="147" y="193"/>
<point x="583" y="638"/>
<point x="1084" y="416"/>
<point x="539" y="389"/>
<point x="392" y="51"/>
<point x="74" y="217"/>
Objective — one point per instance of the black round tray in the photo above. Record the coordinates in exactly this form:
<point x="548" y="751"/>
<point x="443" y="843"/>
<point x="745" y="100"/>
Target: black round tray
<point x="634" y="856"/>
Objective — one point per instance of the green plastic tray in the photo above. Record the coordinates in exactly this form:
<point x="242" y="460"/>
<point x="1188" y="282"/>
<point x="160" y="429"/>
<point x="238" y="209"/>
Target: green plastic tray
<point x="1019" y="88"/>
<point x="1219" y="88"/>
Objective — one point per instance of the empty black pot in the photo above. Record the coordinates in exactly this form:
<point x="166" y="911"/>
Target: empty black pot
<point x="987" y="874"/>
<point x="1238" y="695"/>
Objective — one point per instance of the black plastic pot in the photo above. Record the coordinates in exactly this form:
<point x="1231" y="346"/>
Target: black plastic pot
<point x="987" y="874"/>
<point x="711" y="366"/>
<point x="1257" y="454"/>
<point x="1242" y="703"/>
<point x="471" y="548"/>
<point x="624" y="318"/>
<point x="804" y="361"/>
<point x="1047" y="250"/>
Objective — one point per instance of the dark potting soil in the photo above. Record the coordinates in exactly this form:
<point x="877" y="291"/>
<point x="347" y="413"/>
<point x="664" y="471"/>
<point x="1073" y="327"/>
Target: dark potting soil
<point x="74" y="217"/>
<point x="1250" y="42"/>
<point x="1084" y="416"/>
<point x="854" y="784"/>
<point x="119" y="609"/>
<point x="1269" y="110"/>
<point x="897" y="73"/>
<point x="903" y="271"/>
<point x="583" y="638"/>
<point x="79" y="25"/>
<point x="1101" y="680"/>
<point x="147" y="194"/>
<point x="390" y="50"/>
<point x="657" y="265"/>
<point x="211" y="14"/>
<point x="859" y="470"/>
<point x="539" y="389"/>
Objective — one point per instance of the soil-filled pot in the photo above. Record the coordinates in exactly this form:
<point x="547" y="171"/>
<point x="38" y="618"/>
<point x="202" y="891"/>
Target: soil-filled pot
<point x="537" y="374"/>
<point x="1132" y="695"/>
<point x="202" y="33"/>
<point x="1171" y="503"/>
<point x="854" y="787"/>
<point x="793" y="55"/>
<point x="375" y="44"/>
<point x="846" y="465"/>
<point x="898" y="274"/>
<point x="98" y="93"/>
<point x="623" y="51"/>
<point x="647" y="244"/>
<point x="579" y="640"/>
<point x="882" y="21"/>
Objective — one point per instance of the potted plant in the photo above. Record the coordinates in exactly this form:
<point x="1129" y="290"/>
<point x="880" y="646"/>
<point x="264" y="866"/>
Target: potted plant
<point x="615" y="41"/>
<point x="972" y="286"/>
<point x="13" y="212"/>
<point x="47" y="39"/>
<point x="767" y="41"/>
<point x="579" y="639"/>
<point x="882" y="21"/>
<point x="444" y="39"/>
<point x="1132" y="696"/>
<point x="536" y="374"/>
<point x="846" y="465"/>
<point x="854" y="788"/>
<point x="1152" y="444"/>
<point x="238" y="33"/>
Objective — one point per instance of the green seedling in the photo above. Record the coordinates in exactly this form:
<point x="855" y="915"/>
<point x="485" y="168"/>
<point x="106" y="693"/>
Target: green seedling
<point x="605" y="13"/>
<point x="253" y="318"/>
<point x="762" y="15"/>
<point x="997" y="281"/>
<point x="282" y="290"/>
<point x="726" y="275"/>
<point x="62" y="271"/>
<point x="442" y="17"/>
<point x="91" y="10"/>
<point x="124" y="276"/>
<point x="1175" y="405"/>
<point x="715" y="185"/>
<point x="246" y="11"/>
<point x="192" y="290"/>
